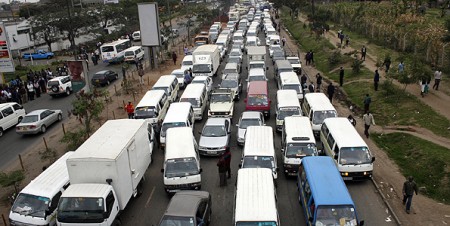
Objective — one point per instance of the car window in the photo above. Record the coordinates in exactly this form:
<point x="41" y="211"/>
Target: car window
<point x="49" y="112"/>
<point x="17" y="107"/>
<point x="1" y="115"/>
<point x="201" y="209"/>
<point x="7" y="111"/>
<point x="43" y="115"/>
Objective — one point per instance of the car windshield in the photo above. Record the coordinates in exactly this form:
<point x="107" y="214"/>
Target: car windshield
<point x="30" y="205"/>
<point x="297" y="150"/>
<point x="178" y="75"/>
<point x="177" y="221"/>
<point x="238" y="38"/>
<point x="257" y="78"/>
<point x="354" y="156"/>
<point x="235" y="53"/>
<point x="257" y="100"/>
<point x="294" y="61"/>
<point x="181" y="167"/>
<point x="246" y="122"/>
<point x="168" y="125"/>
<point x="295" y="87"/>
<point x="258" y="162"/>
<point x="275" y="48"/>
<point x="145" y="112"/>
<point x="229" y="71"/>
<point x="222" y="97"/>
<point x="194" y="101"/>
<point x="30" y="119"/>
<point x="278" y="54"/>
<point x="187" y="63"/>
<point x="165" y="89"/>
<point x="228" y="83"/>
<point x="52" y="83"/>
<point x="285" y="112"/>
<point x="236" y="46"/>
<point x="285" y="70"/>
<point x="98" y="76"/>
<point x="256" y="65"/>
<point x="319" y="116"/>
<point x="257" y="223"/>
<point x="80" y="209"/>
<point x="214" y="131"/>
<point x="336" y="215"/>
<point x="201" y="68"/>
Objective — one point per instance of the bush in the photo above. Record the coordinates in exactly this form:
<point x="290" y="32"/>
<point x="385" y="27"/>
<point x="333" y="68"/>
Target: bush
<point x="74" y="139"/>
<point x="356" y="66"/>
<point x="334" y="59"/>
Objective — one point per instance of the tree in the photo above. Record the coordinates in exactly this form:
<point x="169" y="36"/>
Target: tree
<point x="12" y="179"/>
<point x="43" y="29"/>
<point x="88" y="106"/>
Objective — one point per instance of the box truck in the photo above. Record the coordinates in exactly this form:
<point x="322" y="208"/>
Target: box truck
<point x="206" y="60"/>
<point x="105" y="172"/>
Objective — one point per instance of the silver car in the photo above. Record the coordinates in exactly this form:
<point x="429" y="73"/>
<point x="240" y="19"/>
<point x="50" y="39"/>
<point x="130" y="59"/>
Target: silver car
<point x="248" y="118"/>
<point x="37" y="121"/>
<point x="215" y="137"/>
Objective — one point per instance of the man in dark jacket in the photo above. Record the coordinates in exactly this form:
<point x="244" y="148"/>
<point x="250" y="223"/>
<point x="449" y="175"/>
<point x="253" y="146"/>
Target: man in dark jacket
<point x="376" y="80"/>
<point x="222" y="166"/>
<point x="227" y="157"/>
<point x="330" y="91"/>
<point x="409" y="187"/>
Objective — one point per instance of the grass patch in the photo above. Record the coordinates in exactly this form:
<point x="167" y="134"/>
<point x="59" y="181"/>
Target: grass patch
<point x="397" y="107"/>
<point x="426" y="161"/>
<point x="350" y="76"/>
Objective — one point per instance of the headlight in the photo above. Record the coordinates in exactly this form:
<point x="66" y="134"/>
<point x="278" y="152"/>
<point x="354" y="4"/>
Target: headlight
<point x="287" y="166"/>
<point x="344" y="174"/>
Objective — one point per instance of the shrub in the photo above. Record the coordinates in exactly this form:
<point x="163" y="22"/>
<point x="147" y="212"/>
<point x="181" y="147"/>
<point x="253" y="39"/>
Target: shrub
<point x="334" y="59"/>
<point x="356" y="66"/>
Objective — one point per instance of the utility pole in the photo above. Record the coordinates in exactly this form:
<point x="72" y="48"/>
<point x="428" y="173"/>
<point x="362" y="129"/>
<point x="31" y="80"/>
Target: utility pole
<point x="70" y="27"/>
<point x="170" y="21"/>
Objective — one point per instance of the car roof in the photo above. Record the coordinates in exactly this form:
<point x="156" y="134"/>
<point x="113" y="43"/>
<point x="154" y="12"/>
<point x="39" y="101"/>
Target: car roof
<point x="231" y="76"/>
<point x="102" y="72"/>
<point x="215" y="121"/>
<point x="37" y="112"/>
<point x="184" y="203"/>
<point x="9" y="104"/>
<point x="58" y="78"/>
<point x="200" y="78"/>
<point x="257" y="87"/>
<point x="251" y="114"/>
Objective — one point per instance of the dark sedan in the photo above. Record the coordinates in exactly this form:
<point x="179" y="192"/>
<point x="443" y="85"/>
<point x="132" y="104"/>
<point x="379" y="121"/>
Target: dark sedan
<point x="103" y="78"/>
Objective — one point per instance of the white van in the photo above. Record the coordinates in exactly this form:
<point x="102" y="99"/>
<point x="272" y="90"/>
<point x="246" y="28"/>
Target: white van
<point x="36" y="204"/>
<point x="231" y="68"/>
<point x="181" y="161"/>
<point x="187" y="63"/>
<point x="179" y="115"/>
<point x="317" y="107"/>
<point x="134" y="53"/>
<point x="136" y="36"/>
<point x="256" y="198"/>
<point x="10" y="115"/>
<point x="343" y="143"/>
<point x="169" y="84"/>
<point x="259" y="151"/>
<point x="197" y="95"/>
<point x="287" y="105"/>
<point x="289" y="81"/>
<point x="297" y="141"/>
<point x="152" y="107"/>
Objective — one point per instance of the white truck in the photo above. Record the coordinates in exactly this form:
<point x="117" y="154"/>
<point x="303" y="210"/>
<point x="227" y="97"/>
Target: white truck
<point x="105" y="173"/>
<point x="206" y="60"/>
<point x="256" y="57"/>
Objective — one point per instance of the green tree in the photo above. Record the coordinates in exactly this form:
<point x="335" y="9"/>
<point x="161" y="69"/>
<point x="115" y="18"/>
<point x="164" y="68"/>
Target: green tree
<point x="89" y="106"/>
<point x="12" y="179"/>
<point x="44" y="29"/>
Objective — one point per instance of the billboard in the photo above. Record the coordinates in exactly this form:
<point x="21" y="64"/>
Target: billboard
<point x="6" y="61"/>
<point x="149" y="24"/>
<point x="77" y="75"/>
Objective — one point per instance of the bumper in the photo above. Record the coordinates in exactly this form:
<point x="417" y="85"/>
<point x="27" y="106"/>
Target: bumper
<point x="24" y="132"/>
<point x="290" y="169"/>
<point x="356" y="176"/>
<point x="175" y="188"/>
<point x="219" y="115"/>
<point x="240" y="141"/>
<point x="216" y="152"/>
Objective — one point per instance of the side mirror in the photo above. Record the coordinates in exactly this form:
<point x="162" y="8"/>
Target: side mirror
<point x="282" y="150"/>
<point x="201" y="170"/>
<point x="373" y="160"/>
<point x="47" y="213"/>
<point x="162" y="170"/>
<point x="361" y="223"/>
<point x="240" y="165"/>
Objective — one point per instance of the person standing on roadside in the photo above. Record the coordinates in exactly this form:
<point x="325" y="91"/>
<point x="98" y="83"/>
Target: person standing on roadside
<point x="363" y="53"/>
<point x="283" y="40"/>
<point x="401" y="67"/>
<point x="376" y="80"/>
<point x="221" y="165"/>
<point x="141" y="74"/>
<point x="303" y="80"/>
<point x="368" y="121"/>
<point x="341" y="76"/>
<point x="174" y="58"/>
<point x="227" y="158"/>
<point x="437" y="79"/>
<point x="367" y="101"/>
<point x="409" y="187"/>
<point x="330" y="91"/>
<point x="318" y="81"/>
<point x="129" y="108"/>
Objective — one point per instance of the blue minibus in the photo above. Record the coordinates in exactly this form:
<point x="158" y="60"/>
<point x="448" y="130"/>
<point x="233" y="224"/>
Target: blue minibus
<point x="323" y="194"/>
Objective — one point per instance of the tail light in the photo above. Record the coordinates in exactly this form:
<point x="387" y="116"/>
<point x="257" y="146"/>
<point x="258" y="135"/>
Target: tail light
<point x="32" y="127"/>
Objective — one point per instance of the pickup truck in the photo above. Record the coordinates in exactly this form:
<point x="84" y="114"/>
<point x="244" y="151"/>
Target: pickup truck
<point x="40" y="54"/>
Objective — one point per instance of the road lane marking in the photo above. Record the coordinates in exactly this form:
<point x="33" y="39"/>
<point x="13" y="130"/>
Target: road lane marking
<point x="149" y="197"/>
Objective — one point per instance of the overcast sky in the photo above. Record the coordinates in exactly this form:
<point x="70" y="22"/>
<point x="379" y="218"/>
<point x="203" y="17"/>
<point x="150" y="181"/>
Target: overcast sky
<point x="7" y="1"/>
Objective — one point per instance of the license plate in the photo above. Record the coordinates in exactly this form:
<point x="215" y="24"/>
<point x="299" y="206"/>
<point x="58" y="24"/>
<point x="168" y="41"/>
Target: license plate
<point x="347" y="178"/>
<point x="213" y="152"/>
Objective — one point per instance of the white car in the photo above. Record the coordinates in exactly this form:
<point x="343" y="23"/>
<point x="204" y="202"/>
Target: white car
<point x="204" y="80"/>
<point x="179" y="73"/>
<point x="256" y="74"/>
<point x="295" y="63"/>
<point x="215" y="137"/>
<point x="187" y="63"/>
<point x="273" y="48"/>
<point x="10" y="115"/>
<point x="37" y="121"/>
<point x="248" y="118"/>
<point x="235" y="53"/>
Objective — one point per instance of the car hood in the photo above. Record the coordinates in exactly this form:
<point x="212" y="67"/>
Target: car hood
<point x="220" y="107"/>
<point x="213" y="142"/>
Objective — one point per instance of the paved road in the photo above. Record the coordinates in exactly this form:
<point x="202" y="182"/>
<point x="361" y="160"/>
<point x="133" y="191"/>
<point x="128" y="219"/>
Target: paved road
<point x="148" y="209"/>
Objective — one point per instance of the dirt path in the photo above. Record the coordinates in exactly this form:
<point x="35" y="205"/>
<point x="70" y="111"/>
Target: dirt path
<point x="387" y="175"/>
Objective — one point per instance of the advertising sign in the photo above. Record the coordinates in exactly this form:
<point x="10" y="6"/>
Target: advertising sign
<point x="77" y="75"/>
<point x="149" y="24"/>
<point x="6" y="61"/>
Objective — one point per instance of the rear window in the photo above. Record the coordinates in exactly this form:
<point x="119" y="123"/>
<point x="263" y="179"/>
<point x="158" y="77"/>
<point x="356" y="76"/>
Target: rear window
<point x="98" y="76"/>
<point x="129" y="53"/>
<point x="107" y="49"/>
<point x="52" y="83"/>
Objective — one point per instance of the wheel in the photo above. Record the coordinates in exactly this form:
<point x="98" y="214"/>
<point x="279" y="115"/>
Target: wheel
<point x="67" y="91"/>
<point x="55" y="88"/>
<point x="43" y="128"/>
<point x="19" y="120"/>
<point x="1" y="132"/>
<point x="59" y="117"/>
<point x="108" y="82"/>
<point x="116" y="222"/>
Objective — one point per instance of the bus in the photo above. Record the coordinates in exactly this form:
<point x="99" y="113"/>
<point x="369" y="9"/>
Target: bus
<point x="114" y="52"/>
<point x="323" y="194"/>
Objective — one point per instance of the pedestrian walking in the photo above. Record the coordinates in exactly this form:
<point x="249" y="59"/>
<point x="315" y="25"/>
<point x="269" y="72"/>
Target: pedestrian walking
<point x="283" y="40"/>
<point x="311" y="57"/>
<point x="311" y="87"/>
<point x="318" y="81"/>
<point x="387" y="63"/>
<point x="129" y="108"/>
<point x="94" y="59"/>
<point x="308" y="58"/>
<point x="401" y="67"/>
<point x="141" y="74"/>
<point x="227" y="158"/>
<point x="303" y="80"/>
<point x="341" y="76"/>
<point x="186" y="50"/>
<point x="174" y="58"/>
<point x="124" y="71"/>
<point x="368" y="121"/>
<point x="347" y="40"/>
<point x="330" y="91"/>
<point x="437" y="79"/>
<point x="30" y="89"/>
<point x="367" y="101"/>
<point x="376" y="80"/>
<point x="363" y="53"/>
<point x="221" y="165"/>
<point x="423" y="86"/>
<point x="409" y="187"/>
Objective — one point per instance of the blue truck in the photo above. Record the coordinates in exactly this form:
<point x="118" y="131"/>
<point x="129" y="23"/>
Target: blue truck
<point x="40" y="54"/>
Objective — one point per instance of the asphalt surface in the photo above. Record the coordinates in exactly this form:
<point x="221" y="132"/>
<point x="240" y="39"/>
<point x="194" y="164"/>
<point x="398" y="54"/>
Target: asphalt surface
<point x="149" y="208"/>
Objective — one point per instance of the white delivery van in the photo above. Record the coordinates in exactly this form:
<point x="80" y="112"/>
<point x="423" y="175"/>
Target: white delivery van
<point x="206" y="60"/>
<point x="256" y="198"/>
<point x="317" y="107"/>
<point x="134" y="53"/>
<point x="289" y="81"/>
<point x="259" y="151"/>
<point x="343" y="143"/>
<point x="169" y="84"/>
<point x="197" y="95"/>
<point x="297" y="141"/>
<point x="181" y="161"/>
<point x="152" y="107"/>
<point x="287" y="105"/>
<point x="36" y="203"/>
<point x="179" y="115"/>
<point x="105" y="172"/>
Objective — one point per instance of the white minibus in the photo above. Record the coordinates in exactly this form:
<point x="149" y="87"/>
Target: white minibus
<point x="134" y="53"/>
<point x="289" y="80"/>
<point x="197" y="95"/>
<point x="287" y="105"/>
<point x="179" y="115"/>
<point x="169" y="84"/>
<point x="152" y="107"/>
<point x="317" y="107"/>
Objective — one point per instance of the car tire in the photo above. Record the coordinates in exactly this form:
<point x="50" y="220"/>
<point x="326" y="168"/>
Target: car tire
<point x="108" y="82"/>
<point x="55" y="88"/>
<point x="67" y="91"/>
<point x="1" y="132"/>
<point x="43" y="129"/>
<point x="59" y="117"/>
